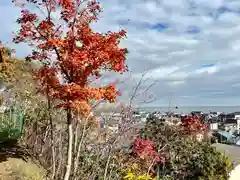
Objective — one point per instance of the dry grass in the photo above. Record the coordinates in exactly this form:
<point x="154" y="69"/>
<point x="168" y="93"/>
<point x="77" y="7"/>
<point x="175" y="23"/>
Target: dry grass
<point x="17" y="169"/>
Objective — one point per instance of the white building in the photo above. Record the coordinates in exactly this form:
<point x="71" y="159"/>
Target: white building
<point x="213" y="126"/>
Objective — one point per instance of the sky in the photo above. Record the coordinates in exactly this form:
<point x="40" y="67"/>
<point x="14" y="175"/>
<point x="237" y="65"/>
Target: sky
<point x="189" y="48"/>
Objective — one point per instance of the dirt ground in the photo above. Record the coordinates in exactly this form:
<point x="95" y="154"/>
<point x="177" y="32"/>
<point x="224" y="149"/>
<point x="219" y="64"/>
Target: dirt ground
<point x="18" y="169"/>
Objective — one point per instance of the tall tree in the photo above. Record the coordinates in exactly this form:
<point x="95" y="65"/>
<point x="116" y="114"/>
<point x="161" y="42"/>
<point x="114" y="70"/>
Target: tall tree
<point x="81" y="54"/>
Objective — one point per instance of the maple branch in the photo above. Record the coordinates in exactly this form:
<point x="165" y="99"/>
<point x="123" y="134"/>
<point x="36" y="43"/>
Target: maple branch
<point x="73" y="25"/>
<point x="57" y="30"/>
<point x="55" y="48"/>
<point x="41" y="10"/>
<point x="69" y="79"/>
<point x="56" y="51"/>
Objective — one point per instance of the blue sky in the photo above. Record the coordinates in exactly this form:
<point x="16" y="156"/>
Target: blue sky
<point x="189" y="47"/>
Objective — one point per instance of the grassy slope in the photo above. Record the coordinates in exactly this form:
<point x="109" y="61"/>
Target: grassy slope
<point x="17" y="169"/>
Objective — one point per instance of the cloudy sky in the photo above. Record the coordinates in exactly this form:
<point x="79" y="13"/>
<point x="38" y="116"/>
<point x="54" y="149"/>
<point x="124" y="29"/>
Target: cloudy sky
<point x="189" y="47"/>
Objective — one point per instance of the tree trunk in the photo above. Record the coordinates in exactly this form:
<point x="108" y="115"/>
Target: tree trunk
<point x="107" y="163"/>
<point x="70" y="146"/>
<point x="51" y="134"/>
<point x="76" y="162"/>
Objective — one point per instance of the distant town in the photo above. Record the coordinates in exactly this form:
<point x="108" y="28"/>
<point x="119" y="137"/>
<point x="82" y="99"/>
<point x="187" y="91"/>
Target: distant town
<point x="222" y="127"/>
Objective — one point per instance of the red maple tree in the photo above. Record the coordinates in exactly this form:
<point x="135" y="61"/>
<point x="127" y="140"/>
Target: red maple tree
<point x="69" y="47"/>
<point x="81" y="54"/>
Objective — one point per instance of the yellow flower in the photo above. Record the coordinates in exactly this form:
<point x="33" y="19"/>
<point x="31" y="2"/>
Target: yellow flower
<point x="129" y="176"/>
<point x="145" y="177"/>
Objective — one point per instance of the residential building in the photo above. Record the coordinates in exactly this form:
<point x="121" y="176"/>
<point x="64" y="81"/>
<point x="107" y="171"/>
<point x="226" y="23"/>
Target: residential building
<point x="234" y="115"/>
<point x="230" y="125"/>
<point x="222" y="117"/>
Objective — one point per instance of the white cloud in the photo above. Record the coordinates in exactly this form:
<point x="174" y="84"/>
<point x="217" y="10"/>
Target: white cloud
<point x="176" y="83"/>
<point x="214" y="4"/>
<point x="173" y="56"/>
<point x="208" y="70"/>
<point x="179" y="53"/>
<point x="233" y="5"/>
<point x="162" y="72"/>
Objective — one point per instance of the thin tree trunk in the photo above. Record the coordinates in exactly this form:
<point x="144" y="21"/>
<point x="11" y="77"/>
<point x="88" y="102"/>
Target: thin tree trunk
<point x="51" y="134"/>
<point x="76" y="138"/>
<point x="107" y="164"/>
<point x="59" y="155"/>
<point x="70" y="145"/>
<point x="53" y="153"/>
<point x="110" y="173"/>
<point x="76" y="162"/>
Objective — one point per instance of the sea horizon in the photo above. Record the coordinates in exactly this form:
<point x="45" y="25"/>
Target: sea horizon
<point x="187" y="109"/>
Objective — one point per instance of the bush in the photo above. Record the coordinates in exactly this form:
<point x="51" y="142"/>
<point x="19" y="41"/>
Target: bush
<point x="9" y="129"/>
<point x="185" y="158"/>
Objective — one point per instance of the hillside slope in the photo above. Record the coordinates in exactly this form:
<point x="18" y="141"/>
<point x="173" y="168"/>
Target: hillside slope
<point x="18" y="169"/>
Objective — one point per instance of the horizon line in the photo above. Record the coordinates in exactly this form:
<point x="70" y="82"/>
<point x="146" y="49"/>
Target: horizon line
<point x="190" y="106"/>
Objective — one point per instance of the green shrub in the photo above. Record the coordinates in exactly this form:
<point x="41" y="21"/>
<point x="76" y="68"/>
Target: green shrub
<point x="8" y="127"/>
<point x="186" y="158"/>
